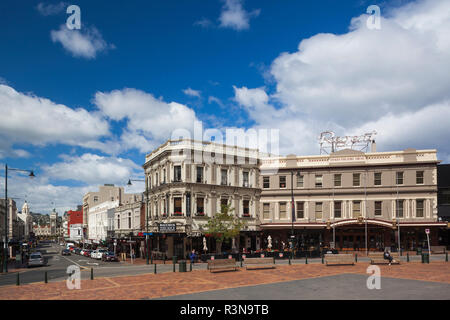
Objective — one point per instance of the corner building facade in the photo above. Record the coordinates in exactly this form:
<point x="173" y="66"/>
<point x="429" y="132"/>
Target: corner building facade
<point x="187" y="182"/>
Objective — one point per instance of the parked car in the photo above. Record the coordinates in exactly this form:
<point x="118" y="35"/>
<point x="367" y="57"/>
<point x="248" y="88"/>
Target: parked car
<point x="94" y="254"/>
<point x="81" y="252"/>
<point x="70" y="244"/>
<point x="36" y="259"/>
<point x="109" y="256"/>
<point x="99" y="253"/>
<point x="65" y="252"/>
<point x="87" y="253"/>
<point x="77" y="250"/>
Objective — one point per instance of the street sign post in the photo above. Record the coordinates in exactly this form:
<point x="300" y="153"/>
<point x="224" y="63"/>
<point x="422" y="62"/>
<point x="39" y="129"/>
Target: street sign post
<point x="427" y="231"/>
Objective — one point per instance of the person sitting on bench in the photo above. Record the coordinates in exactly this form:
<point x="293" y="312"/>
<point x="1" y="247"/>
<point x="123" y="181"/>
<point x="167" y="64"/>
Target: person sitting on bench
<point x="387" y="256"/>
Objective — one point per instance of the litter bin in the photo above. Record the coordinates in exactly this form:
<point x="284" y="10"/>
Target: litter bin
<point x="182" y="266"/>
<point x="174" y="259"/>
<point x="419" y="251"/>
<point x="426" y="258"/>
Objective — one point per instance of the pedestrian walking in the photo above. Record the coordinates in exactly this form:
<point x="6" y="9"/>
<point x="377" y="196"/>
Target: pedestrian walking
<point x="193" y="256"/>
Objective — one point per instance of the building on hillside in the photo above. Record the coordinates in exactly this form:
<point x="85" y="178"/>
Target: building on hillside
<point x="188" y="182"/>
<point x="340" y="197"/>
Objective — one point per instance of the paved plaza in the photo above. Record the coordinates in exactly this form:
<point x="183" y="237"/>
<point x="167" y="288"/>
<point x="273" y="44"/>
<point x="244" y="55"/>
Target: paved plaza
<point x="412" y="280"/>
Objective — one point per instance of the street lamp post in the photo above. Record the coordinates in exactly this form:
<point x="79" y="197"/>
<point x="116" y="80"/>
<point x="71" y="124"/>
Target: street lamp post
<point x="146" y="214"/>
<point x="5" y="245"/>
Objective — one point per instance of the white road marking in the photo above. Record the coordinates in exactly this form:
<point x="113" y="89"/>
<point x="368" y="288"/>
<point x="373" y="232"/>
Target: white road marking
<point x="73" y="262"/>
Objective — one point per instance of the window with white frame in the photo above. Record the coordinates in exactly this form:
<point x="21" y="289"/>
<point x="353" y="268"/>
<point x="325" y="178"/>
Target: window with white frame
<point x="319" y="180"/>
<point x="282" y="210"/>
<point x="318" y="210"/>
<point x="266" y="210"/>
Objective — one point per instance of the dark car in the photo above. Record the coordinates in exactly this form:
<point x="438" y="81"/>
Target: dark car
<point x="65" y="252"/>
<point x="77" y="250"/>
<point x="109" y="256"/>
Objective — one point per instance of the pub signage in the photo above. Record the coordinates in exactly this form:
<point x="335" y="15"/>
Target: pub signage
<point x="167" y="227"/>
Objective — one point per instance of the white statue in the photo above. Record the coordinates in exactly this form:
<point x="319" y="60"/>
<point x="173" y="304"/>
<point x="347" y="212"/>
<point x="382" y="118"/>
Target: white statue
<point x="269" y="240"/>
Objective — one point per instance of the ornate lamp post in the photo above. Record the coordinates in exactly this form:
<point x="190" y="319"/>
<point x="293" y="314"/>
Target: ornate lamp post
<point x="146" y="213"/>
<point x="31" y="174"/>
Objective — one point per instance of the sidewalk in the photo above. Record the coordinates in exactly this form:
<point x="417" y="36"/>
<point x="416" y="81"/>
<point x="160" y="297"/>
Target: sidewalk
<point x="169" y="284"/>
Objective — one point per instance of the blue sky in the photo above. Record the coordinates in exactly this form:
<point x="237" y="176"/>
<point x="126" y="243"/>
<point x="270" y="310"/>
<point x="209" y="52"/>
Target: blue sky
<point x="82" y="107"/>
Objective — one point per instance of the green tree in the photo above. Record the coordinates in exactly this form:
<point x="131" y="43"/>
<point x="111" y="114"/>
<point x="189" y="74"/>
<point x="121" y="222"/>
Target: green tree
<point x="223" y="226"/>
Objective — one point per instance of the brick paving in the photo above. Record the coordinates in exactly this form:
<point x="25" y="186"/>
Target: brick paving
<point x="170" y="284"/>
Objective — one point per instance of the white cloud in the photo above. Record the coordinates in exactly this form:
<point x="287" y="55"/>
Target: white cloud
<point x="394" y="80"/>
<point x="86" y="43"/>
<point x="150" y="121"/>
<point x="204" y="22"/>
<point x="192" y="93"/>
<point x="212" y="99"/>
<point x="92" y="169"/>
<point x="51" y="9"/>
<point x="30" y="119"/>
<point x="234" y="16"/>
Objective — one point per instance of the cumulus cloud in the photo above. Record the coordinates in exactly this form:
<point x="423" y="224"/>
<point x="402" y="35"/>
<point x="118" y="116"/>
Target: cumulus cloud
<point x="34" y="120"/>
<point x="192" y="93"/>
<point x="92" y="169"/>
<point x="84" y="43"/>
<point x="234" y="16"/>
<point x="150" y="121"/>
<point x="51" y="9"/>
<point x="364" y="80"/>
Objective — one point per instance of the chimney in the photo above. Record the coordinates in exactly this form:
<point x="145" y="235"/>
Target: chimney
<point x="373" y="147"/>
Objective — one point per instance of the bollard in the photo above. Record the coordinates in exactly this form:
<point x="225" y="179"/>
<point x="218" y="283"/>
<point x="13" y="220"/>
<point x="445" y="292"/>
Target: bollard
<point x="322" y="259"/>
<point x="155" y="268"/>
<point x="407" y="257"/>
<point x="446" y="257"/>
<point x="289" y="260"/>
<point x="241" y="262"/>
<point x="18" y="279"/>
<point x="45" y="277"/>
<point x="190" y="268"/>
<point x="92" y="273"/>
<point x="423" y="259"/>
<point x="356" y="257"/>
<point x="306" y="259"/>
<point x="173" y="267"/>
<point x="274" y="259"/>
<point x="164" y="259"/>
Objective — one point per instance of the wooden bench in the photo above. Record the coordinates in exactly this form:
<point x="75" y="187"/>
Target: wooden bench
<point x="437" y="249"/>
<point x="378" y="258"/>
<point x="222" y="265"/>
<point x="259" y="263"/>
<point x="339" y="259"/>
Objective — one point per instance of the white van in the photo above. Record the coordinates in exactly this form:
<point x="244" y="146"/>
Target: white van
<point x="70" y="244"/>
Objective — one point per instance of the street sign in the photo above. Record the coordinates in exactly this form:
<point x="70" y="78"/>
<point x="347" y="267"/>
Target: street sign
<point x="148" y="233"/>
<point x="427" y="231"/>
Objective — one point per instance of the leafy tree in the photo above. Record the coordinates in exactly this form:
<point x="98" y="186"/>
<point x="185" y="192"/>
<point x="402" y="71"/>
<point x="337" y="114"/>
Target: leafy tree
<point x="223" y="226"/>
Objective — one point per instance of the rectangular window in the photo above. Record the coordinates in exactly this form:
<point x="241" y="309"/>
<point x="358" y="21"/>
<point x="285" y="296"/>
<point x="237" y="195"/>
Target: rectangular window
<point x="356" y="179"/>
<point x="338" y="209"/>
<point x="129" y="220"/>
<point x="223" y="203"/>
<point x="337" y="180"/>
<point x="266" y="182"/>
<point x="319" y="179"/>
<point x="282" y="181"/>
<point x="118" y="223"/>
<point x="377" y="179"/>
<point x="399" y="178"/>
<point x="378" y="206"/>
<point x="419" y="177"/>
<point x="400" y="208"/>
<point x="266" y="210"/>
<point x="299" y="181"/>
<point x="200" y="206"/>
<point x="246" y="207"/>
<point x="224" y="177"/>
<point x="164" y="176"/>
<point x="282" y="210"/>
<point x="199" y="174"/>
<point x="177" y="206"/>
<point x="300" y="210"/>
<point x="419" y="208"/>
<point x="95" y="198"/>
<point x="245" y="178"/>
<point x="356" y="209"/>
<point x="177" y="173"/>
<point x="318" y="210"/>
